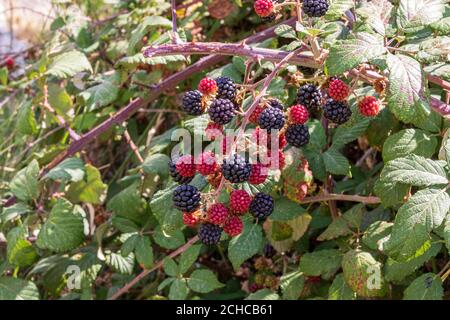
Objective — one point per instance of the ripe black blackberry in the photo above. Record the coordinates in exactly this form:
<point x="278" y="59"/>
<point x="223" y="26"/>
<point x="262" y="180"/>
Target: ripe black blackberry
<point x="209" y="233"/>
<point x="226" y="88"/>
<point x="176" y="176"/>
<point x="309" y="96"/>
<point x="221" y="111"/>
<point x="186" y="198"/>
<point x="297" y="135"/>
<point x="315" y="8"/>
<point x="276" y="104"/>
<point x="261" y="206"/>
<point x="192" y="103"/>
<point x="236" y="169"/>
<point x="336" y="111"/>
<point x="271" y="119"/>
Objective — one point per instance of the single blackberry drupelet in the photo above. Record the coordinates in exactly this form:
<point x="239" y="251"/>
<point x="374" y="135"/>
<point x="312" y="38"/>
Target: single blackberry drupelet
<point x="209" y="233"/>
<point x="315" y="8"/>
<point x="226" y="88"/>
<point x="271" y="119"/>
<point x="186" y="198"/>
<point x="192" y="103"/>
<point x="309" y="96"/>
<point x="336" y="111"/>
<point x="276" y="104"/>
<point x="297" y="135"/>
<point x="221" y="111"/>
<point x="176" y="176"/>
<point x="236" y="169"/>
<point x="261" y="206"/>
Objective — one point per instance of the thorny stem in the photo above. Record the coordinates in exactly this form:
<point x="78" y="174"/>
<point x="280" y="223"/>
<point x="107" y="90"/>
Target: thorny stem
<point x="133" y="146"/>
<point x="156" y="266"/>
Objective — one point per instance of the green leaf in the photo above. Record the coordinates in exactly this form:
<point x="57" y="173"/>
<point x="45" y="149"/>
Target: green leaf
<point x="128" y="204"/>
<point x="363" y="275"/>
<point x="178" y="290"/>
<point x="170" y="267"/>
<point x="318" y="139"/>
<point x="415" y="170"/>
<point x="378" y="13"/>
<point x="156" y="164"/>
<point x="440" y="69"/>
<point x="172" y="241"/>
<point x="24" y="185"/>
<point x="4" y="76"/>
<point x="144" y="251"/>
<point x="292" y="285"/>
<point x="100" y="95"/>
<point x="188" y="258"/>
<point x="20" y="251"/>
<point x="423" y="212"/>
<point x="285" y="31"/>
<point x="406" y="89"/>
<point x="59" y="99"/>
<point x="412" y="14"/>
<point x="339" y="290"/>
<point x="263" y="294"/>
<point x="347" y="54"/>
<point x="203" y="281"/>
<point x="376" y="234"/>
<point x="129" y="244"/>
<point x="345" y="134"/>
<point x="337" y="8"/>
<point x="144" y="27"/>
<point x="165" y="283"/>
<point x="409" y="141"/>
<point x="397" y="271"/>
<point x="447" y="232"/>
<point x="63" y="230"/>
<point x="426" y="287"/>
<point x="391" y="193"/>
<point x="337" y="228"/>
<point x="68" y="64"/>
<point x="120" y="264"/>
<point x="167" y="215"/>
<point x="71" y="169"/>
<point x="335" y="162"/>
<point x="246" y="244"/>
<point x="442" y="27"/>
<point x="13" y="212"/>
<point x="285" y="210"/>
<point x="17" y="289"/>
<point x="323" y="263"/>
<point x="26" y="122"/>
<point x="90" y="190"/>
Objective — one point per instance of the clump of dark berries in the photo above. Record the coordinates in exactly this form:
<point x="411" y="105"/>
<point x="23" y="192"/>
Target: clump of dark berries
<point x="297" y="135"/>
<point x="226" y="88"/>
<point x="271" y="119"/>
<point x="236" y="169"/>
<point x="176" y="176"/>
<point x="186" y="198"/>
<point x="209" y="233"/>
<point x="221" y="111"/>
<point x="192" y="103"/>
<point x="336" y="111"/>
<point x="261" y="206"/>
<point x="315" y="8"/>
<point x="309" y="96"/>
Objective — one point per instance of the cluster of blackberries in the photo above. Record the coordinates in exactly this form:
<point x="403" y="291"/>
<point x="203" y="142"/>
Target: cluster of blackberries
<point x="267" y="9"/>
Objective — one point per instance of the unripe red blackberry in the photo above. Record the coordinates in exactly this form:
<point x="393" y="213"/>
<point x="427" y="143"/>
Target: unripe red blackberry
<point x="259" y="174"/>
<point x="221" y="111"/>
<point x="192" y="103"/>
<point x="261" y="206"/>
<point x="336" y="111"/>
<point x="315" y="8"/>
<point x="185" y="166"/>
<point x="217" y="213"/>
<point x="206" y="163"/>
<point x="207" y="86"/>
<point x="254" y="117"/>
<point x="186" y="198"/>
<point x="282" y="142"/>
<point x="309" y="96"/>
<point x="209" y="233"/>
<point x="236" y="169"/>
<point x="271" y="119"/>
<point x="190" y="219"/>
<point x="263" y="8"/>
<point x="213" y="130"/>
<point x="369" y="106"/>
<point x="239" y="201"/>
<point x="276" y="160"/>
<point x="297" y="135"/>
<point x="226" y="88"/>
<point x="298" y="114"/>
<point x="9" y="62"/>
<point x="233" y="226"/>
<point x="176" y="176"/>
<point x="338" y="90"/>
